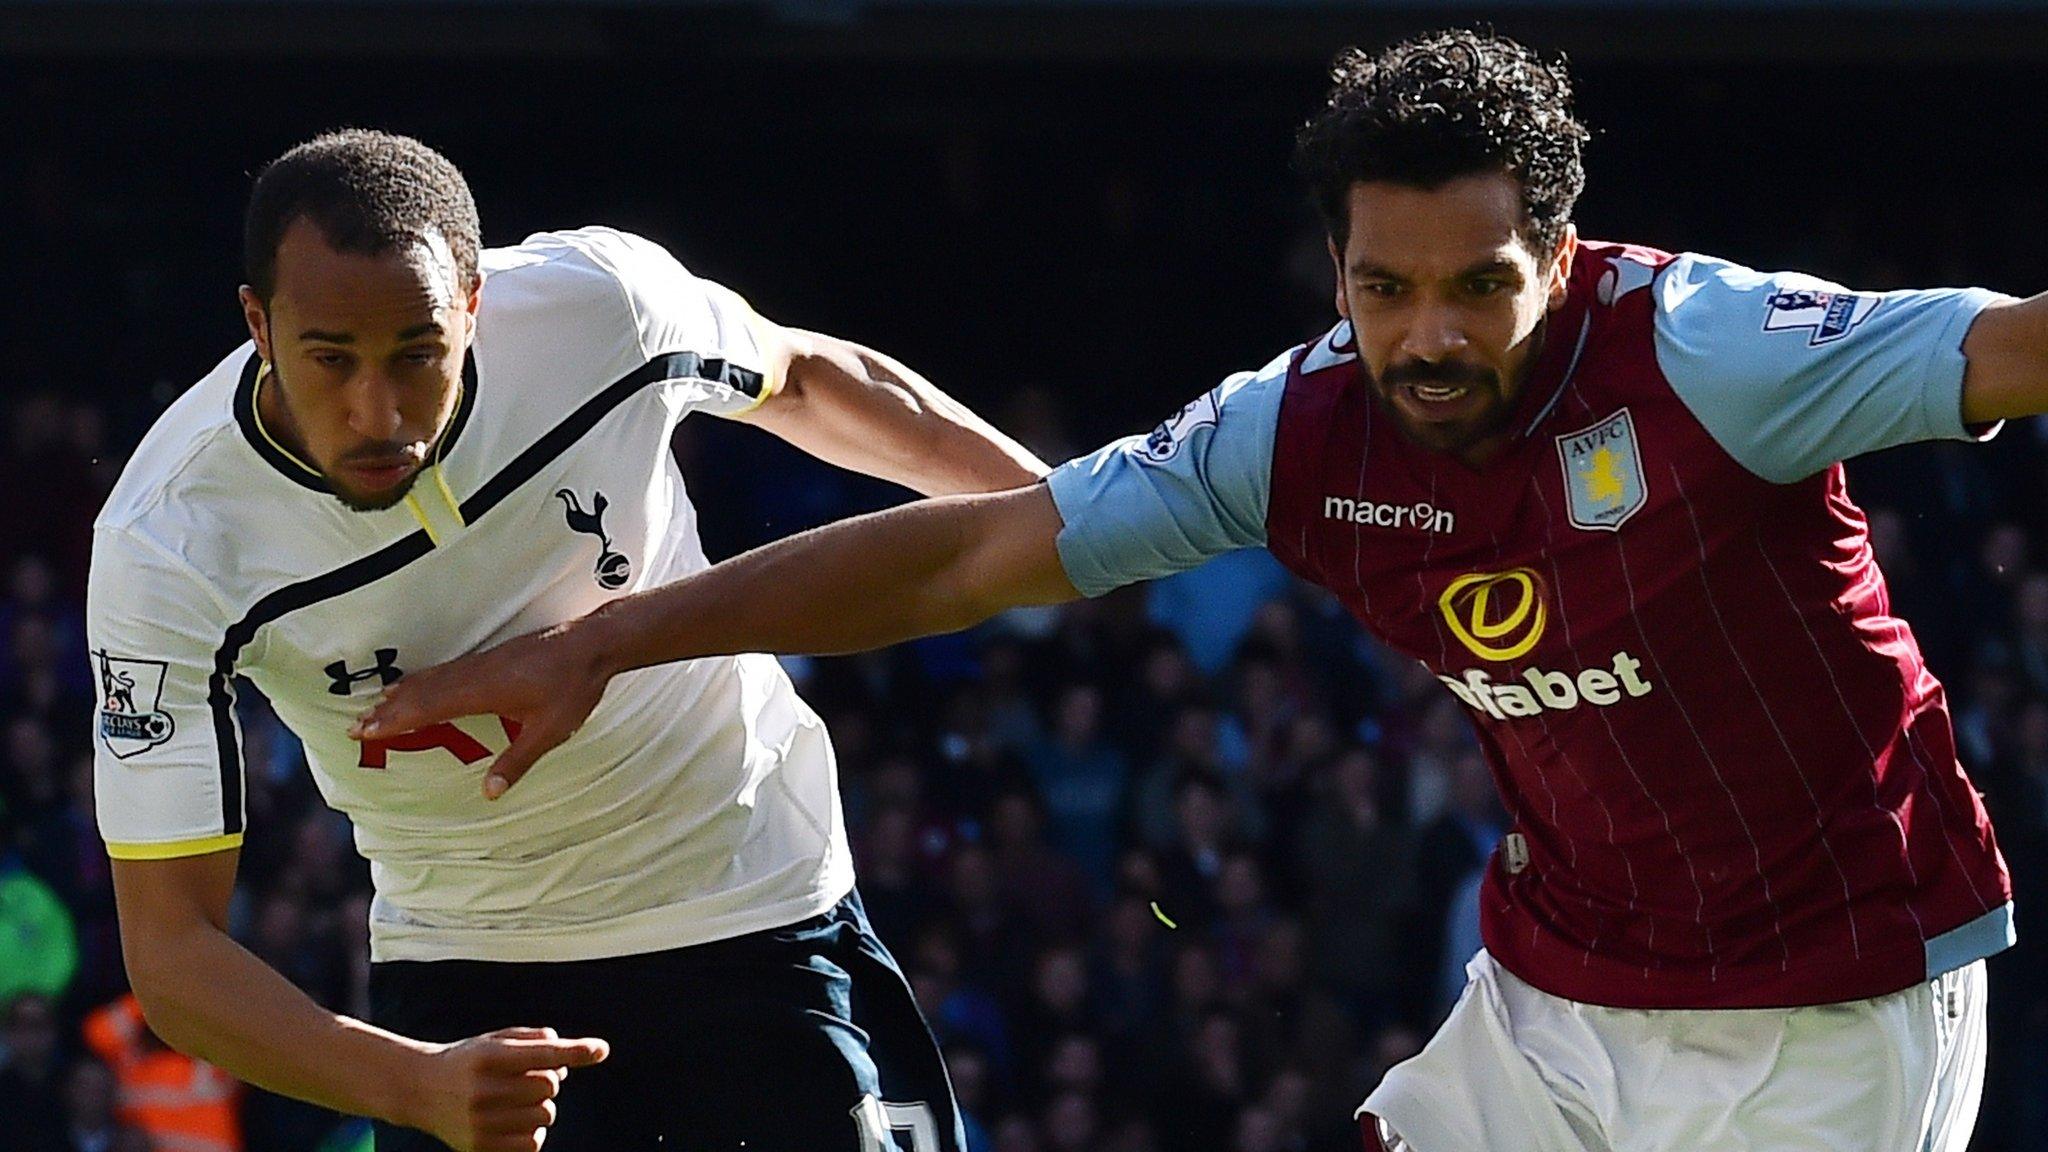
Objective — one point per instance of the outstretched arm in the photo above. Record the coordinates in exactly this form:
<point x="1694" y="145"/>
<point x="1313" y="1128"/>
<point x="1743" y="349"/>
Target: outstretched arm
<point x="928" y="567"/>
<point x="2007" y="350"/>
<point x="854" y="407"/>
<point x="1138" y="509"/>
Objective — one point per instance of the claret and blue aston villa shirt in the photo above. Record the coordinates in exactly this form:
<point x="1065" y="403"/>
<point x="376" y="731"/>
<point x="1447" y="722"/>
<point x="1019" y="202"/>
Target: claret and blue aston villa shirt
<point x="1731" y="778"/>
<point x="699" y="801"/>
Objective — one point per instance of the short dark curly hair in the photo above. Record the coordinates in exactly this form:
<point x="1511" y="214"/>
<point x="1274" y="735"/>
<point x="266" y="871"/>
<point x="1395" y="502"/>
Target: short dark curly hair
<point x="1443" y="106"/>
<point x="369" y="192"/>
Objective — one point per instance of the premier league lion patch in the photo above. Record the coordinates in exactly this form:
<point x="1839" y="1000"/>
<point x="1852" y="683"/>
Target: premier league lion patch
<point x="132" y="718"/>
<point x="1603" y="473"/>
<point x="1165" y="440"/>
<point x="1828" y="315"/>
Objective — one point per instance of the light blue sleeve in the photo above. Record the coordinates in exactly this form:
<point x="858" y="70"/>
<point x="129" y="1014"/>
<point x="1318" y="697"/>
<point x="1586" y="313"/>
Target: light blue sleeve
<point x="1791" y="373"/>
<point x="1150" y="506"/>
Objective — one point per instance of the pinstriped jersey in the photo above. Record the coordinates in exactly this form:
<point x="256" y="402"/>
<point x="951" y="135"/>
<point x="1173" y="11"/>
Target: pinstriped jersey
<point x="1732" y="780"/>
<point x="698" y="802"/>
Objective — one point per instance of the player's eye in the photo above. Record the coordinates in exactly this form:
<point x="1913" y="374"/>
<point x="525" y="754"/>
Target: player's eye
<point x="327" y="358"/>
<point x="1487" y="286"/>
<point x="1383" y="289"/>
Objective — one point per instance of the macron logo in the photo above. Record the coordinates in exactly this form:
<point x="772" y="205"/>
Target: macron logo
<point x="1423" y="516"/>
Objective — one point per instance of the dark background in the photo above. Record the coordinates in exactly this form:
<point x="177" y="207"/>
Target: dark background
<point x="1076" y="217"/>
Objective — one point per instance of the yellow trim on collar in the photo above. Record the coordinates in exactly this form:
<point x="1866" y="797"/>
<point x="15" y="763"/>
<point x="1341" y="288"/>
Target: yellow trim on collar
<point x="434" y="465"/>
<point x="412" y="504"/>
<point x="256" y="414"/>
<point x="448" y="495"/>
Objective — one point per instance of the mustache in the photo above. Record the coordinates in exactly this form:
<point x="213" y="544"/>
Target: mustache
<point x="1447" y="373"/>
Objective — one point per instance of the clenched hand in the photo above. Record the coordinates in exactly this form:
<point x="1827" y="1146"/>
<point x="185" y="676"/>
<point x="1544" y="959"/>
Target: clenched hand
<point x="496" y="1092"/>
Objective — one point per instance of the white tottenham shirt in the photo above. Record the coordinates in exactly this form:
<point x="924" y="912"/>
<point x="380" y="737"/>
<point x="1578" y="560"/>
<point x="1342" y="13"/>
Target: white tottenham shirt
<point x="700" y="800"/>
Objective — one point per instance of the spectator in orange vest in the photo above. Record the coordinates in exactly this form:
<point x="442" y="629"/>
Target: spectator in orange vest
<point x="185" y="1105"/>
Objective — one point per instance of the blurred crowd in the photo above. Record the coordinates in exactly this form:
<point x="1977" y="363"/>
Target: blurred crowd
<point x="1180" y="870"/>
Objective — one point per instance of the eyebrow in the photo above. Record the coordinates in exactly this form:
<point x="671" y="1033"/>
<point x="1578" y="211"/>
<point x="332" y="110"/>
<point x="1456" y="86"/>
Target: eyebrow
<point x="1376" y="272"/>
<point x="430" y="328"/>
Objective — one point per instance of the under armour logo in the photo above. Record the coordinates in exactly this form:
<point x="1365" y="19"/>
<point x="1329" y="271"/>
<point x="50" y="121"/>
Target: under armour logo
<point x="613" y="568"/>
<point x="386" y="671"/>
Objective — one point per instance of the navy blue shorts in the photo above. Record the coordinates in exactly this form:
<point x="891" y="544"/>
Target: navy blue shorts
<point x="797" y="1039"/>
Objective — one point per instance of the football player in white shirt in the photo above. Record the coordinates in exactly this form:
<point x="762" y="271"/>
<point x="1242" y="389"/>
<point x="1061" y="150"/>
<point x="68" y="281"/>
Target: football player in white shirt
<point x="428" y="448"/>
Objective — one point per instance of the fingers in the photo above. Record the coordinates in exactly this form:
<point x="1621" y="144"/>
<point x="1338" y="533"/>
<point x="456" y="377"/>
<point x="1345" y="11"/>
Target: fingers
<point x="532" y="1053"/>
<point x="522" y="1033"/>
<point x="525" y="1068"/>
<point x="531" y="744"/>
<point x="515" y="1120"/>
<point x="528" y="1140"/>
<point x="525" y="1090"/>
<point x="418" y="701"/>
<point x="504" y="1097"/>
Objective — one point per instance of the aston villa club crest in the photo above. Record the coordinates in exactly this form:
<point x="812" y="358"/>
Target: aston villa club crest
<point x="132" y="718"/>
<point x="1603" y="473"/>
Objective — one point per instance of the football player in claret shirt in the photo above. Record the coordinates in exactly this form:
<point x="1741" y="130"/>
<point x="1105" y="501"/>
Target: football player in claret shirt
<point x="427" y="446"/>
<point x="1596" y="489"/>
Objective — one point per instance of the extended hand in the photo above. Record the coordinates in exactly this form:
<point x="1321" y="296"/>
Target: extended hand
<point x="496" y="1092"/>
<point x="544" y="685"/>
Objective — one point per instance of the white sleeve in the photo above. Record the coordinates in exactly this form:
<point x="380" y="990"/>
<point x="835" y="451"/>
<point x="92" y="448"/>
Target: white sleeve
<point x="719" y="355"/>
<point x="167" y="771"/>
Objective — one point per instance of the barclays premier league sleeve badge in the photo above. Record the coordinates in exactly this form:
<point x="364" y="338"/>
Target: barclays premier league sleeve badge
<point x="1165" y="441"/>
<point x="1826" y="316"/>
<point x="132" y="718"/>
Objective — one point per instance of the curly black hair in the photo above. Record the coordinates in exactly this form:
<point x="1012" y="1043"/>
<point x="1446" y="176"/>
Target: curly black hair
<point x="369" y="192"/>
<point x="1439" y="107"/>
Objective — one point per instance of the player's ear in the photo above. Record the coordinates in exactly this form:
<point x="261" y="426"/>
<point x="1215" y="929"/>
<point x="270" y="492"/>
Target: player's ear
<point x="254" y="315"/>
<point x="1559" y="267"/>
<point x="475" y="301"/>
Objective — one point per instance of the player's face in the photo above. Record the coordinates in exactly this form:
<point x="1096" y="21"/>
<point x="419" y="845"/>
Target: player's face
<point x="366" y="355"/>
<point x="1447" y="301"/>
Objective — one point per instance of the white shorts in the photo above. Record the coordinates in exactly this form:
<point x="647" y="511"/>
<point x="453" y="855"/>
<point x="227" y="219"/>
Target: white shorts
<point x="1518" y="1070"/>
